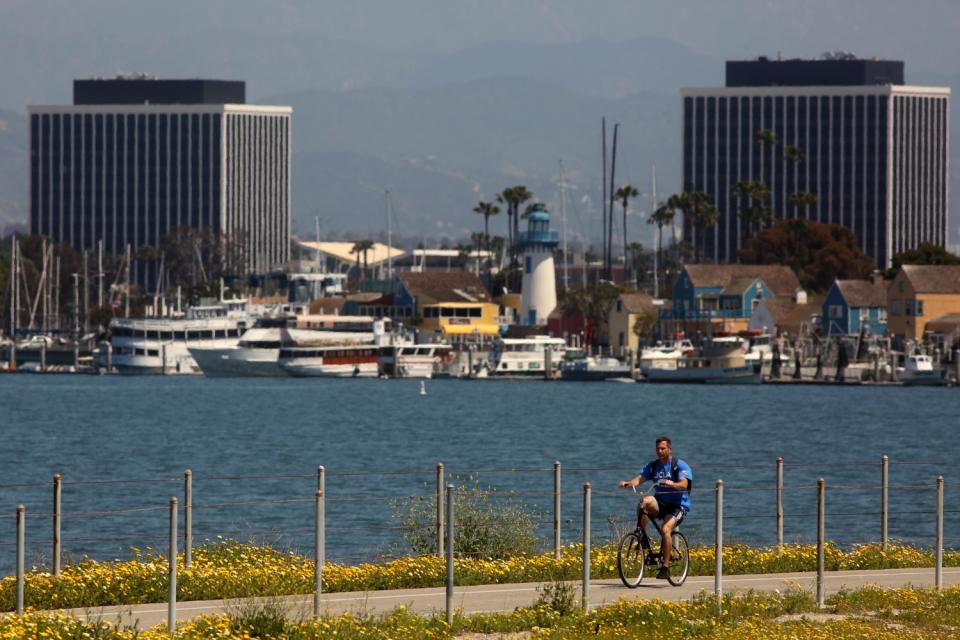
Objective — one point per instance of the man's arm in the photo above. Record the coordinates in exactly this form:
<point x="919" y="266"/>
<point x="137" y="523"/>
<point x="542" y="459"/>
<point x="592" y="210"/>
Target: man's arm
<point x="683" y="478"/>
<point x="635" y="481"/>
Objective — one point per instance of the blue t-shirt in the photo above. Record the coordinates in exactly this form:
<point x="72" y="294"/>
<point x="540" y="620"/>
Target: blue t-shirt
<point x="654" y="471"/>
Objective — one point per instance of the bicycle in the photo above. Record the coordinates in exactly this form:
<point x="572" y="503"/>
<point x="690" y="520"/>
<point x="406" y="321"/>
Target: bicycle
<point x="634" y="563"/>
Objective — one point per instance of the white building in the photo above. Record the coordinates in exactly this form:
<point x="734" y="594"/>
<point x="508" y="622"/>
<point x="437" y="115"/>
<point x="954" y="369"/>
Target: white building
<point x="539" y="284"/>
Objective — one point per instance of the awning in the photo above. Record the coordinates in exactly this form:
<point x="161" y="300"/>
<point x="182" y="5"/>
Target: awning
<point x="469" y="329"/>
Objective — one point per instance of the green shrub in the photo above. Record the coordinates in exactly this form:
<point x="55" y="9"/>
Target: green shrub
<point x="487" y="523"/>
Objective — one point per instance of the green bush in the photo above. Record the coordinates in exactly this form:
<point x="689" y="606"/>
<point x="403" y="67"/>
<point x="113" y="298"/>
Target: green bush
<point x="488" y="523"/>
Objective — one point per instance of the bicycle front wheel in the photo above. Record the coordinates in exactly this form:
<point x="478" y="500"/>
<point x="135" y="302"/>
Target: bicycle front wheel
<point x="679" y="560"/>
<point x="630" y="557"/>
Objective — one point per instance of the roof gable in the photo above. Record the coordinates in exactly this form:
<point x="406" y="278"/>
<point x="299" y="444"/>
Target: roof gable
<point x="444" y="286"/>
<point x="779" y="279"/>
<point x="933" y="278"/>
<point x="862" y="293"/>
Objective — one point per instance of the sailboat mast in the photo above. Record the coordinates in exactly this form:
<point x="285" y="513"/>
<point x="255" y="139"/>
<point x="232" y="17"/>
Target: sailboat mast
<point x="386" y="205"/>
<point x="603" y="192"/>
<point x="656" y="239"/>
<point x="613" y="170"/>
<point x="563" y="224"/>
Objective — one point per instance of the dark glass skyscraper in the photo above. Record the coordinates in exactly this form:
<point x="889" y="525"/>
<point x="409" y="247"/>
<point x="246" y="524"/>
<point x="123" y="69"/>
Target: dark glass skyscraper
<point x="133" y="159"/>
<point x="872" y="150"/>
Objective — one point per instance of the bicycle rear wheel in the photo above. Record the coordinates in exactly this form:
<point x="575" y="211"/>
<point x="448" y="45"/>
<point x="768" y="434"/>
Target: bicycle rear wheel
<point x="630" y="557"/>
<point x="679" y="560"/>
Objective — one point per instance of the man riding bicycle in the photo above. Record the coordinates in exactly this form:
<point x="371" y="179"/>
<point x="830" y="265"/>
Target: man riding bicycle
<point x="671" y="500"/>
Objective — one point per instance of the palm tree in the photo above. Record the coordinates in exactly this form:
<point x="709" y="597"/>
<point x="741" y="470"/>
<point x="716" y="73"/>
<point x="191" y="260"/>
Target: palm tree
<point x="663" y="216"/>
<point x="513" y="197"/>
<point x="362" y="247"/>
<point x="623" y="194"/>
<point x="486" y="209"/>
<point x="699" y="211"/>
<point x="753" y="196"/>
<point x="801" y="201"/>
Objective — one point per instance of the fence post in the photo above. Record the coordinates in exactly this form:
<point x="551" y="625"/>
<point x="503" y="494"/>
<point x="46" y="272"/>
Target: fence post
<point x="884" y="500"/>
<point x="172" y="593"/>
<point x="56" y="522"/>
<point x="321" y="479"/>
<point x="585" y="599"/>
<point x="779" y="501"/>
<point x="718" y="573"/>
<point x="556" y="509"/>
<point x="440" y="508"/>
<point x="187" y="519"/>
<point x="319" y="551"/>
<point x="820" y="540"/>
<point x="21" y="526"/>
<point x="938" y="572"/>
<point x="450" y="524"/>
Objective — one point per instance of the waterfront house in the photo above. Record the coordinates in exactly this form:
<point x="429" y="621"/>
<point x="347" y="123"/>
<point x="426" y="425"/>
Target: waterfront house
<point x="853" y="306"/>
<point x="624" y="313"/>
<point x="920" y="294"/>
<point x="724" y="296"/>
<point x="794" y="315"/>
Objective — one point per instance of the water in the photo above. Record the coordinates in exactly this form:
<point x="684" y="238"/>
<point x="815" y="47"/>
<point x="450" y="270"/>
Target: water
<point x="380" y="441"/>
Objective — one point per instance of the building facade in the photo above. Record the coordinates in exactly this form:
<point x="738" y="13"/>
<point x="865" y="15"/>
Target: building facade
<point x="134" y="159"/>
<point x="872" y="150"/>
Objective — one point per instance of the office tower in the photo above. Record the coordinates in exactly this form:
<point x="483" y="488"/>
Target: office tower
<point x="134" y="158"/>
<point x="872" y="150"/>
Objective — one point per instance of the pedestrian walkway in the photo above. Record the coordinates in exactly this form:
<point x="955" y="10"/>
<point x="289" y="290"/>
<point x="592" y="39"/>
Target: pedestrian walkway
<point x="507" y="597"/>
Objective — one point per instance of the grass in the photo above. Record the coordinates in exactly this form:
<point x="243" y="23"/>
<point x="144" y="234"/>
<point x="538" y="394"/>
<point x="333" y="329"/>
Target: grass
<point x="229" y="569"/>
<point x="865" y="613"/>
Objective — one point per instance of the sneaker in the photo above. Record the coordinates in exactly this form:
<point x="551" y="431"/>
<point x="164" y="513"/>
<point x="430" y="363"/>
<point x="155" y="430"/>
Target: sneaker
<point x="664" y="573"/>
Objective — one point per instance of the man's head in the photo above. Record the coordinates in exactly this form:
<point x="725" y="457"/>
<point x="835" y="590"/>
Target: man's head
<point x="664" y="449"/>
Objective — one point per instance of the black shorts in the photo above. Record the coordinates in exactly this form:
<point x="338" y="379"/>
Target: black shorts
<point x="666" y="510"/>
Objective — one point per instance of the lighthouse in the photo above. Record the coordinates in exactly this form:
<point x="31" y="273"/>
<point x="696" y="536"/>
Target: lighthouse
<point x="539" y="285"/>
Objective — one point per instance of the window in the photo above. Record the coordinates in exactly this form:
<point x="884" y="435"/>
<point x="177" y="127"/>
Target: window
<point x="882" y="315"/>
<point x="919" y="307"/>
<point x="864" y="314"/>
<point x="895" y="308"/>
<point x="835" y="311"/>
<point x="620" y="309"/>
<point x="528" y="265"/>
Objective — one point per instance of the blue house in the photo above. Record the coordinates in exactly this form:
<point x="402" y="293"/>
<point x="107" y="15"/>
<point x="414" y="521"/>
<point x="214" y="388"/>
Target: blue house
<point x="852" y="306"/>
<point x="726" y="294"/>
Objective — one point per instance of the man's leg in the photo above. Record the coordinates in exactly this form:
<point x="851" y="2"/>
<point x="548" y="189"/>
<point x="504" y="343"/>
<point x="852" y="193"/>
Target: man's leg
<point x="646" y="508"/>
<point x="667" y="547"/>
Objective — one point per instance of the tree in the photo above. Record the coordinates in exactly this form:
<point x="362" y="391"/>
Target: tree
<point x="818" y="253"/>
<point x="800" y="201"/>
<point x="593" y="304"/>
<point x="927" y="253"/>
<point x="533" y="207"/>
<point x="362" y="247"/>
<point x="624" y="194"/>
<point x="513" y="197"/>
<point x="699" y="211"/>
<point x="487" y="210"/>
<point x="752" y="197"/>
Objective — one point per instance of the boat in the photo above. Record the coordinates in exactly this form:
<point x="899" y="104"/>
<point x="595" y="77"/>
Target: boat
<point x="525" y="356"/>
<point x="578" y="366"/>
<point x="667" y="350"/>
<point x="918" y="370"/>
<point x="410" y="360"/>
<point x="344" y="360"/>
<point x="257" y="352"/>
<point x="347" y="356"/>
<point x="722" y="362"/>
<point x="160" y="345"/>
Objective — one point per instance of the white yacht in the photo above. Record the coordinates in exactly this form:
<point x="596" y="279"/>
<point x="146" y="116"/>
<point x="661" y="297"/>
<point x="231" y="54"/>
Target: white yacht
<point x="336" y="354"/>
<point x="918" y="370"/>
<point x="257" y="352"/>
<point x="410" y="360"/>
<point x="525" y="356"/>
<point x="159" y="345"/>
<point x="667" y="350"/>
<point x="722" y="362"/>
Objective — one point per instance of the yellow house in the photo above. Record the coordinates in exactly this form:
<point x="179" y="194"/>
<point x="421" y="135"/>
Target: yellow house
<point x="625" y="310"/>
<point x="919" y="295"/>
<point x="459" y="321"/>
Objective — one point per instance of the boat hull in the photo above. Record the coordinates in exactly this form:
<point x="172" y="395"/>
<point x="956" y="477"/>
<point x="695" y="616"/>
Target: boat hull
<point x="749" y="374"/>
<point x="236" y="362"/>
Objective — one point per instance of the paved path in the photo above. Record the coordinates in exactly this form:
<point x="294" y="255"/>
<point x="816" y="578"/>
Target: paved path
<point x="506" y="597"/>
